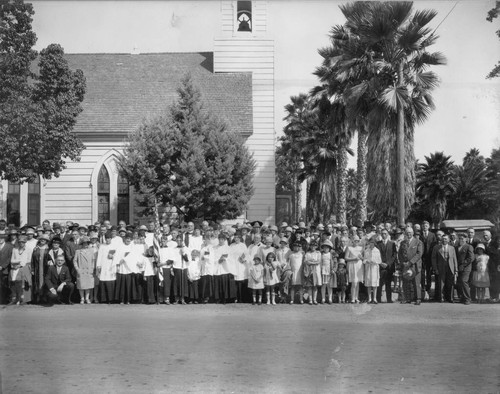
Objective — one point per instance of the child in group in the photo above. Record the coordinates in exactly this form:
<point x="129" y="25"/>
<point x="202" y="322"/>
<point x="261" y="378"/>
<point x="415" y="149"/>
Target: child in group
<point x="18" y="282"/>
<point x="270" y="277"/>
<point x="342" y="280"/>
<point x="480" y="277"/>
<point x="328" y="271"/>
<point x="194" y="275"/>
<point x="312" y="272"/>
<point x="296" y="259"/>
<point x="256" y="280"/>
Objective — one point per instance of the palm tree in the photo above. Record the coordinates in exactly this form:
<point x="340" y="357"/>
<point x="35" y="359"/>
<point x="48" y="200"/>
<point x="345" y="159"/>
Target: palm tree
<point x="378" y="64"/>
<point x="436" y="185"/>
<point x="308" y="140"/>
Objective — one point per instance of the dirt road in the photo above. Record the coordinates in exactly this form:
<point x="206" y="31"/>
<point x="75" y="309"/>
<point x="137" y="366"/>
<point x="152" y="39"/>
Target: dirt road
<point x="244" y="348"/>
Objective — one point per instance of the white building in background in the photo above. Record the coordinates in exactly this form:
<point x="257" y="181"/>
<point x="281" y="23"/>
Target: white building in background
<point x="236" y="80"/>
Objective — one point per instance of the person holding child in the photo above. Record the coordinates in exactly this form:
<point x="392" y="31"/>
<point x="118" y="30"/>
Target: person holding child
<point x="480" y="277"/>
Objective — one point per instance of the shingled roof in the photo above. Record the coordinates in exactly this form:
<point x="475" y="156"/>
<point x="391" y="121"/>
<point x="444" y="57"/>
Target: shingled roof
<point x="123" y="89"/>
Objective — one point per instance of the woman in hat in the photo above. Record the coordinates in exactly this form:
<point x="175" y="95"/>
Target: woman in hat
<point x="21" y="254"/>
<point x="39" y="265"/>
<point x="354" y="259"/>
<point x="312" y="272"/>
<point x="372" y="261"/>
<point x="480" y="277"/>
<point x="85" y="262"/>
<point x="55" y="250"/>
<point x="328" y="270"/>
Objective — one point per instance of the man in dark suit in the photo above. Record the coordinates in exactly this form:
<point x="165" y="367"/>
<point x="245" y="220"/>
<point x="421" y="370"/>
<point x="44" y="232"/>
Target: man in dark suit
<point x="410" y="253"/>
<point x="465" y="256"/>
<point x="444" y="262"/>
<point x="388" y="254"/>
<point x="493" y="265"/>
<point x="428" y="239"/>
<point x="189" y="233"/>
<point x="58" y="285"/>
<point x="246" y="238"/>
<point x="5" y="257"/>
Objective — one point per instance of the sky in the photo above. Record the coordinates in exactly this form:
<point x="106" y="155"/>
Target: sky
<point x="467" y="111"/>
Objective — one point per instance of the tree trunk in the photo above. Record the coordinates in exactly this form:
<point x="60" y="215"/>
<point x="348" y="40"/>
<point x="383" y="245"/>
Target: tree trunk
<point x="362" y="187"/>
<point x="342" y="187"/>
<point x="401" y="159"/>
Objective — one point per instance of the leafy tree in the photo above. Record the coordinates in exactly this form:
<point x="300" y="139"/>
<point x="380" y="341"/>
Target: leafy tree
<point x="187" y="159"/>
<point x="493" y="14"/>
<point x="37" y="110"/>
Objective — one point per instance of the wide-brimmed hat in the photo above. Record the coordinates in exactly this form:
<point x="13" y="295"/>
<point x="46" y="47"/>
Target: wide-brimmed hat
<point x="256" y="224"/>
<point x="284" y="239"/>
<point x="327" y="243"/>
<point x="480" y="246"/>
<point x="56" y="240"/>
<point x="22" y="238"/>
<point x="302" y="225"/>
<point x="45" y="237"/>
<point x="288" y="228"/>
<point x="320" y="227"/>
<point x="273" y="228"/>
<point x="84" y="239"/>
<point x="284" y="224"/>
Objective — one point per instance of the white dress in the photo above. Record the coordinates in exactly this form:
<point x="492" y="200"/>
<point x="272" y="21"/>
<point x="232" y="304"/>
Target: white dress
<point x="295" y="260"/>
<point x="372" y="260"/>
<point x="355" y="267"/>
<point x="238" y="257"/>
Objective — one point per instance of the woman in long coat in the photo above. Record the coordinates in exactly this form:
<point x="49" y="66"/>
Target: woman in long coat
<point x="85" y="262"/>
<point x="40" y="265"/>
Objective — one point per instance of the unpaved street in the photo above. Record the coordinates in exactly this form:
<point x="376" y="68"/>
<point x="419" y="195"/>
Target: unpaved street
<point x="245" y="348"/>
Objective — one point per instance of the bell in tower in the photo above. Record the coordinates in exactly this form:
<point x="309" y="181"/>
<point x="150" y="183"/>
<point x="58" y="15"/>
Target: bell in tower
<point x="244" y="16"/>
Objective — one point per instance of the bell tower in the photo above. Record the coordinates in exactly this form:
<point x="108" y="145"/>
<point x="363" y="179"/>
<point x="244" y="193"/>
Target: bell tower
<point x="244" y="46"/>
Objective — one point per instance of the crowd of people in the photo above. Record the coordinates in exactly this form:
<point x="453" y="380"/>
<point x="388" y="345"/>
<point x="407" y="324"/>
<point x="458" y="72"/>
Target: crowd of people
<point x="247" y="262"/>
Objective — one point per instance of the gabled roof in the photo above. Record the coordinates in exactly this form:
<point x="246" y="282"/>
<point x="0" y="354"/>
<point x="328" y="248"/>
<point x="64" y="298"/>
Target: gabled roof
<point x="460" y="225"/>
<point x="123" y="89"/>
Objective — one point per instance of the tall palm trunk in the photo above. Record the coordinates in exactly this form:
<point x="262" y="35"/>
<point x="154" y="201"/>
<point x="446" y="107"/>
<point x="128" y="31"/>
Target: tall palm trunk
<point x="342" y="187"/>
<point x="400" y="150"/>
<point x="361" y="192"/>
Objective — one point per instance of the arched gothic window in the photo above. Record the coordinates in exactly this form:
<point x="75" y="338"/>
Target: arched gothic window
<point x="103" y="186"/>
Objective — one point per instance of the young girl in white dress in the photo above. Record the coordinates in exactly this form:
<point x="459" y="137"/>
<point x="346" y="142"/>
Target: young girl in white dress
<point x="270" y="277"/>
<point x="256" y="280"/>
<point x="328" y="271"/>
<point x="354" y="259"/>
<point x="295" y="260"/>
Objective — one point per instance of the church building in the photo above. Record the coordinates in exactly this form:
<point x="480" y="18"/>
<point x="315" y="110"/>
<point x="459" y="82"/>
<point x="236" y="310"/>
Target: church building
<point x="236" y="80"/>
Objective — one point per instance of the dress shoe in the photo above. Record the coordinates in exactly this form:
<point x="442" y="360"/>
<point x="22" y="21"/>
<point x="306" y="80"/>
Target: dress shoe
<point x="417" y="302"/>
<point x="467" y="302"/>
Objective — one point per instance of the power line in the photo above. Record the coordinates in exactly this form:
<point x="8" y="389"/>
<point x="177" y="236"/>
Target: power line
<point x="448" y="14"/>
